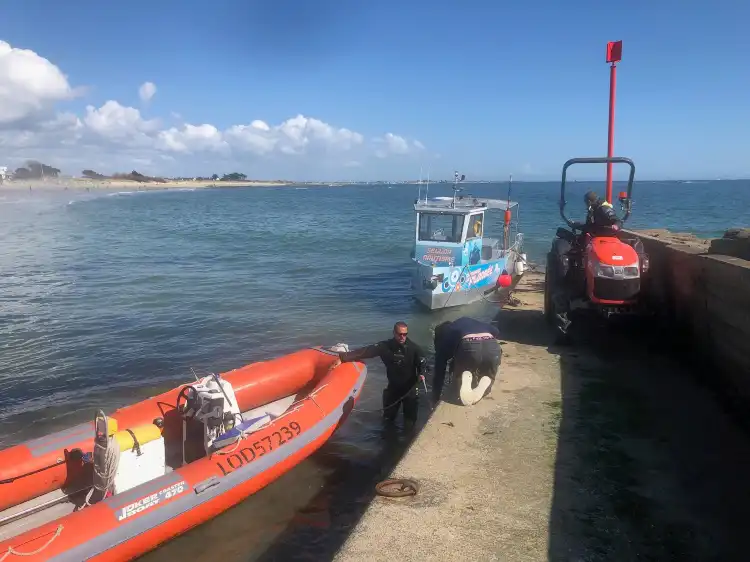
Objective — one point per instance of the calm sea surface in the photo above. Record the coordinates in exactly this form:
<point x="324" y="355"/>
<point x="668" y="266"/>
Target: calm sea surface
<point x="107" y="298"/>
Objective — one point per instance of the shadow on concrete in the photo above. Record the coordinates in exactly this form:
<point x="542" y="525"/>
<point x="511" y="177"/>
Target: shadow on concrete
<point x="319" y="529"/>
<point x="522" y="326"/>
<point x="649" y="465"/>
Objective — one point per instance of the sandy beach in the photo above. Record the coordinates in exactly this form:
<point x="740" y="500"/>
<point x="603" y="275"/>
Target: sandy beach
<point x="83" y="184"/>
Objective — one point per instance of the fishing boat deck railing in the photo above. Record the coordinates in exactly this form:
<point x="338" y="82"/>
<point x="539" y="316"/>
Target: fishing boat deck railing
<point x="492" y="248"/>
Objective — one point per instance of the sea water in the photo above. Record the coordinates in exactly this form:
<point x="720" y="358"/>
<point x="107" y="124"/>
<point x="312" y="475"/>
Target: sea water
<point x="107" y="298"/>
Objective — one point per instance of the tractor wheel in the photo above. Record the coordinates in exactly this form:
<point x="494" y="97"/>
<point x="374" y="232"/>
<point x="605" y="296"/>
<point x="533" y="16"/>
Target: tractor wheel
<point x="549" y="281"/>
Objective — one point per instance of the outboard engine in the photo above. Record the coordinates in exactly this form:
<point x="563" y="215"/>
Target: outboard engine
<point x="211" y="404"/>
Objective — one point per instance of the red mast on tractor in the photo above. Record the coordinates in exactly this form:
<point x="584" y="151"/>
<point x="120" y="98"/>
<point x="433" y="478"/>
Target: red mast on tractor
<point x="614" y="55"/>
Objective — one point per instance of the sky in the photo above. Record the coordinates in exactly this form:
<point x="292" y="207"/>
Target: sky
<point x="340" y="90"/>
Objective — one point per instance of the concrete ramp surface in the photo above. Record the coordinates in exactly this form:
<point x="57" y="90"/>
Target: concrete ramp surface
<point x="609" y="449"/>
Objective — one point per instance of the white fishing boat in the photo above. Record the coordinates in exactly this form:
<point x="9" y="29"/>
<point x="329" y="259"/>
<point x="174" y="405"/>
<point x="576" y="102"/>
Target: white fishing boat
<point x="455" y="261"/>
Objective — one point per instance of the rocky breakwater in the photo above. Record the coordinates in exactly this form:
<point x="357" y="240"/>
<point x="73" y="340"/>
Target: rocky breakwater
<point x="700" y="290"/>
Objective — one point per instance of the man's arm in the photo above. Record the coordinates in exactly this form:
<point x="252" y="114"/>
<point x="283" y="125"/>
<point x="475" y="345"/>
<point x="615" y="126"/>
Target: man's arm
<point x="444" y="348"/>
<point x="420" y="359"/>
<point x="441" y="360"/>
<point x="367" y="352"/>
<point x="578" y="225"/>
<point x="608" y="216"/>
<point x="438" y="378"/>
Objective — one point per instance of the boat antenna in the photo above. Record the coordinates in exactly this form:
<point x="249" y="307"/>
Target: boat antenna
<point x="427" y="188"/>
<point x="510" y="185"/>
<point x="456" y="189"/>
<point x="507" y="218"/>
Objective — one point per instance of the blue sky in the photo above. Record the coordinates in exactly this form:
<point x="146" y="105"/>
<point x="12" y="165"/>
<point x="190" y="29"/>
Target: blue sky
<point x="489" y="88"/>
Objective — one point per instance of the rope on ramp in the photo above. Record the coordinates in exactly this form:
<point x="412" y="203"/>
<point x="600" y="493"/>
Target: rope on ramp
<point x="397" y="488"/>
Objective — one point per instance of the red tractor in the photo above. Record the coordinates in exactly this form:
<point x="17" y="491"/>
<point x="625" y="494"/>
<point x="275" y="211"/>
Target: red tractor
<point x="599" y="270"/>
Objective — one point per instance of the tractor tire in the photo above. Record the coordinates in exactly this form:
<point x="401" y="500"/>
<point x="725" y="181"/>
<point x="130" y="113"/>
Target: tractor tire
<point x="549" y="281"/>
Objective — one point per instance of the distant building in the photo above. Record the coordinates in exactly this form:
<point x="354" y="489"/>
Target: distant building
<point x="3" y="173"/>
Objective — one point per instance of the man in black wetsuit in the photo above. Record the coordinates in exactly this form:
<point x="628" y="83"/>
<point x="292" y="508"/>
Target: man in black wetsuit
<point x="474" y="348"/>
<point x="404" y="361"/>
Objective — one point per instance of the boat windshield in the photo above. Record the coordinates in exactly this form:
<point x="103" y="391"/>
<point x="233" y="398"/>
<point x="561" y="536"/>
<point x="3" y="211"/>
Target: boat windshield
<point x="440" y="227"/>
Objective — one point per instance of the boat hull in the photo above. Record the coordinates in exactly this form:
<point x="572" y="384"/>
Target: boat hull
<point x="254" y="384"/>
<point x="460" y="285"/>
<point x="131" y="523"/>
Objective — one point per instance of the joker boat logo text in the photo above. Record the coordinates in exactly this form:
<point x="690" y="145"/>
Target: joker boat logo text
<point x="151" y="500"/>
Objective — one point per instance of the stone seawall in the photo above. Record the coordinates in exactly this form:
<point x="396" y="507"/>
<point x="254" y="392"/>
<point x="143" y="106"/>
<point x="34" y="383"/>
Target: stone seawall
<point x="702" y="297"/>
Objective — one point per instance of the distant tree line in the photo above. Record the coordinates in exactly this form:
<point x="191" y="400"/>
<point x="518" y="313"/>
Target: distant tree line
<point x="132" y="176"/>
<point x="234" y="176"/>
<point x="34" y="170"/>
<point x="135" y="176"/>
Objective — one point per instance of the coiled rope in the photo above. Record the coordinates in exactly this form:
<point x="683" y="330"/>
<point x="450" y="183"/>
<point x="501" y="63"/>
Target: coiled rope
<point x="104" y="477"/>
<point x="397" y="488"/>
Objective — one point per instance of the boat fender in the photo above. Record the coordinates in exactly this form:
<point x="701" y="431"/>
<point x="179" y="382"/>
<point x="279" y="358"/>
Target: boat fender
<point x="134" y="438"/>
<point x="521" y="264"/>
<point x="504" y="280"/>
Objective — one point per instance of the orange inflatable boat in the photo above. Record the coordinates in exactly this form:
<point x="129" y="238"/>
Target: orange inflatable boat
<point x="119" y="486"/>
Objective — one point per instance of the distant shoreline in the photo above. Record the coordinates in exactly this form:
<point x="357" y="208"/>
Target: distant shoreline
<point x="82" y="184"/>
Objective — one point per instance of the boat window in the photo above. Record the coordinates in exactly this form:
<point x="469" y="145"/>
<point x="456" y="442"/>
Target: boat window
<point x="476" y="226"/>
<point x="441" y="227"/>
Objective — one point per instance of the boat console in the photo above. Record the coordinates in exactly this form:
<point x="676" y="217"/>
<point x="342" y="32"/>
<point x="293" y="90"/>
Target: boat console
<point x="208" y="409"/>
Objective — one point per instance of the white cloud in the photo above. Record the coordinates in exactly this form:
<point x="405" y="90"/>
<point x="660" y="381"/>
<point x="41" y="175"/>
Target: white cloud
<point x="391" y="144"/>
<point x="254" y="138"/>
<point x="147" y="91"/>
<point x="396" y="144"/>
<point x="115" y="122"/>
<point x="29" y="84"/>
<point x="120" y="137"/>
<point x="191" y="138"/>
<point x="262" y="125"/>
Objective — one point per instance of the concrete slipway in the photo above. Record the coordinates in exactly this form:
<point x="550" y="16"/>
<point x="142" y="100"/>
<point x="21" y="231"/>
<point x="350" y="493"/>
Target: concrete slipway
<point x="606" y="450"/>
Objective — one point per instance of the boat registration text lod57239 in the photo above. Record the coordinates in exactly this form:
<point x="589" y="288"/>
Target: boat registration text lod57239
<point x="263" y="446"/>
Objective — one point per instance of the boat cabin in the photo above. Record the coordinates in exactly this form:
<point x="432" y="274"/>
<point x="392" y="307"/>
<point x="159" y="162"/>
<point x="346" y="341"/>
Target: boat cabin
<point x="450" y="231"/>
